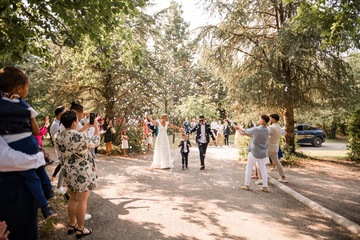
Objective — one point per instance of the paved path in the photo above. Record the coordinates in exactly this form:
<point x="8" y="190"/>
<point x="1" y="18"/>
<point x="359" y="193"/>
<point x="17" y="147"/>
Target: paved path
<point x="134" y="201"/>
<point x="327" y="149"/>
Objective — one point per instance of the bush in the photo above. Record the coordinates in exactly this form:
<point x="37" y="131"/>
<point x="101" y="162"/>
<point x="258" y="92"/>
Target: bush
<point x="354" y="136"/>
<point x="290" y="157"/>
<point x="135" y="137"/>
<point x="243" y="143"/>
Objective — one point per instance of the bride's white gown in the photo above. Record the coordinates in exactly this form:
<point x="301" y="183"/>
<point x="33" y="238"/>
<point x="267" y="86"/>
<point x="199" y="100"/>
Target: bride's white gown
<point x="162" y="154"/>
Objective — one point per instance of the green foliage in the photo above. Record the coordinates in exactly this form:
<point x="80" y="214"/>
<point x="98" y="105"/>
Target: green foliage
<point x="272" y="60"/>
<point x="135" y="137"/>
<point x="243" y="143"/>
<point x="338" y="21"/>
<point x="354" y="61"/>
<point x="193" y="106"/>
<point x="354" y="136"/>
<point x="173" y="53"/>
<point x="28" y="26"/>
<point x="121" y="62"/>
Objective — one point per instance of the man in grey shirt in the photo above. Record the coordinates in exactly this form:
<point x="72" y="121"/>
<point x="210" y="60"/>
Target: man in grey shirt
<point x="258" y="151"/>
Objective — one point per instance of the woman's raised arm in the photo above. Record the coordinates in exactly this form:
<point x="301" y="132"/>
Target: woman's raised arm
<point x="151" y="120"/>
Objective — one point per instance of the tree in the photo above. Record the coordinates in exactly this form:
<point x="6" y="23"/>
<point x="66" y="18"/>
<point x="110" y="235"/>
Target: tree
<point x="27" y="25"/>
<point x="354" y="136"/>
<point x="269" y="63"/>
<point x="338" y="21"/>
<point x="171" y="48"/>
<point x="105" y="75"/>
<point x="354" y="61"/>
<point x="193" y="106"/>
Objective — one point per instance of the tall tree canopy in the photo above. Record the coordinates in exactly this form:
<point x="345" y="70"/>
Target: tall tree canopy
<point x="272" y="60"/>
<point x="25" y="26"/>
<point x="338" y="21"/>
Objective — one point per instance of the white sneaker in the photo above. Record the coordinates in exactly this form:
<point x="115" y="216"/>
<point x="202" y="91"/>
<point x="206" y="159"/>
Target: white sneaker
<point x="60" y="190"/>
<point x="87" y="216"/>
<point x="283" y="180"/>
<point x="258" y="182"/>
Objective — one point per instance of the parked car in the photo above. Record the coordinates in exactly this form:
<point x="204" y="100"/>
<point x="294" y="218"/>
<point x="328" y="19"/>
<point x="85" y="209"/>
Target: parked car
<point x="309" y="134"/>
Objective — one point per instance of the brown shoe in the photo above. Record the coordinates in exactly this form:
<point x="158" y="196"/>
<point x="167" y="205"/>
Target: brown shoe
<point x="245" y="187"/>
<point x="264" y="189"/>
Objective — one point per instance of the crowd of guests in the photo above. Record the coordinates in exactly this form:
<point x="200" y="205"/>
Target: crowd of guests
<point x="220" y="128"/>
<point x="76" y="136"/>
<point x="22" y="162"/>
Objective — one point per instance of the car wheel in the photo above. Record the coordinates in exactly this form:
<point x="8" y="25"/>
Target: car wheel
<point x="317" y="142"/>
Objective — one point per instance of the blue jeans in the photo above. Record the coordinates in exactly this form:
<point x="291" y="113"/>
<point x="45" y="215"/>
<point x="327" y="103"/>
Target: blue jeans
<point x="38" y="184"/>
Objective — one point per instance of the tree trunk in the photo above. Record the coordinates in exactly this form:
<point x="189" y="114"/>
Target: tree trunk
<point x="109" y="94"/>
<point x="289" y="136"/>
<point x="332" y="134"/>
<point x="166" y="106"/>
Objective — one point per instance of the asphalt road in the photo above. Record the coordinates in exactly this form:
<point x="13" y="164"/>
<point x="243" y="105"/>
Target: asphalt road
<point x="326" y="146"/>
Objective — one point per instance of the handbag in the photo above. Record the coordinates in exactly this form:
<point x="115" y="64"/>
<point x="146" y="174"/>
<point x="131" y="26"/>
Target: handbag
<point x="112" y="130"/>
<point x="280" y="153"/>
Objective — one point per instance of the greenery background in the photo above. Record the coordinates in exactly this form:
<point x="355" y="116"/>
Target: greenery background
<point x="294" y="57"/>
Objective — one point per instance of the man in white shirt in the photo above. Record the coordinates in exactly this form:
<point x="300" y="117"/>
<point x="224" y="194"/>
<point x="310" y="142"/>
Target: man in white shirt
<point x="214" y="127"/>
<point x="55" y="128"/>
<point x="17" y="206"/>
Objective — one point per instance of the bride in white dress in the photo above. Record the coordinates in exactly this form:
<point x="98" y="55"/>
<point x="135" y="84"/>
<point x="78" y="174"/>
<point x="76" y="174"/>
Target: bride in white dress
<point x="162" y="155"/>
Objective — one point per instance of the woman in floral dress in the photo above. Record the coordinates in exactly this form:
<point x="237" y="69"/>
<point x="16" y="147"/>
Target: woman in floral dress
<point x="78" y="168"/>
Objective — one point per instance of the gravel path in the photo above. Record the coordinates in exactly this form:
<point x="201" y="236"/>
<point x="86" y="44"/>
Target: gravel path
<point x="134" y="201"/>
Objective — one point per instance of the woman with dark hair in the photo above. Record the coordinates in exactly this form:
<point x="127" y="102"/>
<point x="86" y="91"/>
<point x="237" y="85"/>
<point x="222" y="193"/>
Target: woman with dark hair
<point x="108" y="135"/>
<point x="78" y="168"/>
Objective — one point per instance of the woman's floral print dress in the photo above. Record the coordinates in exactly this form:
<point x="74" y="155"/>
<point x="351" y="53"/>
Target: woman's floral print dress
<point x="75" y="157"/>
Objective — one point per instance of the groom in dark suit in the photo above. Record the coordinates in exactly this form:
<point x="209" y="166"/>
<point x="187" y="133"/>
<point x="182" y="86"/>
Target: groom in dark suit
<point x="203" y="131"/>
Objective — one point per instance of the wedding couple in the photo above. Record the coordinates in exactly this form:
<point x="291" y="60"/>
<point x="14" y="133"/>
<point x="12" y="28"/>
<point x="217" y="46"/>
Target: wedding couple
<point x="162" y="154"/>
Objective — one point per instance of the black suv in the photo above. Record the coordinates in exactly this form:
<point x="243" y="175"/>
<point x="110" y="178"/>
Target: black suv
<point x="309" y="134"/>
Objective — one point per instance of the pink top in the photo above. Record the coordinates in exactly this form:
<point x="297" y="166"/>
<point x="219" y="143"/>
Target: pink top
<point x="42" y="132"/>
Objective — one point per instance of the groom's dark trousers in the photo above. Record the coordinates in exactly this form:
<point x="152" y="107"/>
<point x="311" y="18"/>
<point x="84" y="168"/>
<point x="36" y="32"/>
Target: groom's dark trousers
<point x="202" y="151"/>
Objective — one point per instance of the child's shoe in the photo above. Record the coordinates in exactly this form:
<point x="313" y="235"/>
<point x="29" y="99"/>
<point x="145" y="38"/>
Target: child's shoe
<point x="50" y="194"/>
<point x="48" y="212"/>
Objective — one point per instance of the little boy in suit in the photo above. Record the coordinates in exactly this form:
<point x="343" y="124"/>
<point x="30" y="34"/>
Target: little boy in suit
<point x="184" y="150"/>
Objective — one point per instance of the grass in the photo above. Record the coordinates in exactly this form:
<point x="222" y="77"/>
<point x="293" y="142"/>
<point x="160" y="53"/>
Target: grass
<point x="341" y="139"/>
<point x="49" y="228"/>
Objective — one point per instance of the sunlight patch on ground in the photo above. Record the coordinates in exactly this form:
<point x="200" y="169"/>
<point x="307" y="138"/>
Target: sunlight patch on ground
<point x="327" y="153"/>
